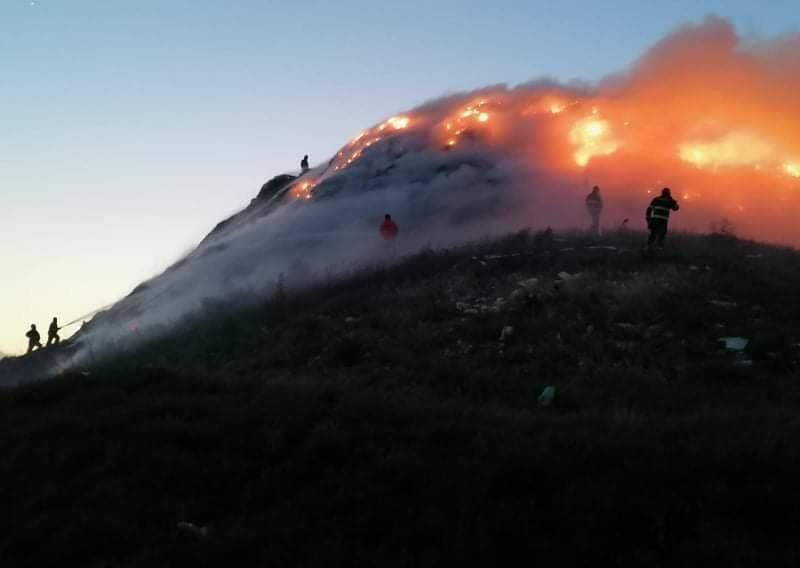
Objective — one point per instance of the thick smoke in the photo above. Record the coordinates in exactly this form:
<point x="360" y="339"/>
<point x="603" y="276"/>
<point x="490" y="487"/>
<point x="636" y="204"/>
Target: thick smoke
<point x="703" y="112"/>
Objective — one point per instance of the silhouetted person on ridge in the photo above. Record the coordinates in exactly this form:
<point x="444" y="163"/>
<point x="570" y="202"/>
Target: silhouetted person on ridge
<point x="304" y="164"/>
<point x="544" y="239"/>
<point x="34" y="339"/>
<point x="388" y="228"/>
<point x="657" y="217"/>
<point x="52" y="333"/>
<point x="594" y="204"/>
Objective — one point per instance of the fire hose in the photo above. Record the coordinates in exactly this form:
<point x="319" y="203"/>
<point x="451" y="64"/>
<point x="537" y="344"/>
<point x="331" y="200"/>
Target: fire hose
<point x="86" y="316"/>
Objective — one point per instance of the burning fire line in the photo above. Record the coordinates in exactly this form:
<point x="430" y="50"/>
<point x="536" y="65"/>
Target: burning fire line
<point x="591" y="136"/>
<point x="688" y="122"/>
<point x="465" y="122"/>
<point x="360" y="143"/>
<point x="303" y="190"/>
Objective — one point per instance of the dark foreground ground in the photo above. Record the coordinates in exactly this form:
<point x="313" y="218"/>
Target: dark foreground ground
<point x="382" y="421"/>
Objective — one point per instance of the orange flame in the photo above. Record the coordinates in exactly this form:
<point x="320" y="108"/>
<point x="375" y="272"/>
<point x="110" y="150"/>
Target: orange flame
<point x="592" y="137"/>
<point x="733" y="149"/>
<point x="303" y="190"/>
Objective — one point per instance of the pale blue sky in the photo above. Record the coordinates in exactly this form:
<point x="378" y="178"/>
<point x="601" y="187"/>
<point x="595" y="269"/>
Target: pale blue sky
<point x="129" y="128"/>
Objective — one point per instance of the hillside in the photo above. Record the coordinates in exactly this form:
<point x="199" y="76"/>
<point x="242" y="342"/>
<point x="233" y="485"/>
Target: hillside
<point x="393" y="417"/>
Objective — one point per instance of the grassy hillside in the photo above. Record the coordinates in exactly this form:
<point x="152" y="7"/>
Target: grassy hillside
<point x="382" y="420"/>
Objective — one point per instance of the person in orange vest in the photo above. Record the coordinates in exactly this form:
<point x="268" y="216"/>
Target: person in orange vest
<point x="388" y="228"/>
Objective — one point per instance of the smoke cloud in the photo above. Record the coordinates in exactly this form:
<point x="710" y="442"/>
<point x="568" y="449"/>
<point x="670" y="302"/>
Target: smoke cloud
<point x="703" y="112"/>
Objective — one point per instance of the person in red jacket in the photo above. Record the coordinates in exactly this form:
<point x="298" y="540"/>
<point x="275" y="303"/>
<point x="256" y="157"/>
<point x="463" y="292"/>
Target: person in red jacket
<point x="388" y="228"/>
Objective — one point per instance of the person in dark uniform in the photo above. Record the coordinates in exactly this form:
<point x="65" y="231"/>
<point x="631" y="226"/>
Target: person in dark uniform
<point x="52" y="333"/>
<point x="657" y="217"/>
<point x="304" y="164"/>
<point x="34" y="339"/>
<point x="594" y="204"/>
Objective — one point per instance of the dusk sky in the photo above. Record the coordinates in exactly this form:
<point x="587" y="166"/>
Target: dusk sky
<point x="129" y="129"/>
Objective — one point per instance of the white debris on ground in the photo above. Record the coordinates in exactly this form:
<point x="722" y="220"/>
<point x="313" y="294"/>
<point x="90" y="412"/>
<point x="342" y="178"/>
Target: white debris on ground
<point x="506" y="333"/>
<point x="566" y="276"/>
<point x="193" y="529"/>
<point x="735" y="343"/>
<point x="482" y="259"/>
<point x="461" y="349"/>
<point x="546" y="398"/>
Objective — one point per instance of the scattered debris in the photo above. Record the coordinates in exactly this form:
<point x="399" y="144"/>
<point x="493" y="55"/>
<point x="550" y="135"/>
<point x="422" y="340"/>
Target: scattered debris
<point x="507" y="332"/>
<point x="632" y="329"/>
<point x="529" y="284"/>
<point x="499" y="256"/>
<point x="461" y="349"/>
<point x="566" y="276"/>
<point x="517" y="294"/>
<point x="742" y="360"/>
<point x="735" y="343"/>
<point x="194" y="529"/>
<point x="548" y="395"/>
<point x="653" y="331"/>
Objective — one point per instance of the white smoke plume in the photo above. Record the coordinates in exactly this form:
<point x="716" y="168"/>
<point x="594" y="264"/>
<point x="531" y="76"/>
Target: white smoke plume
<point x="704" y="112"/>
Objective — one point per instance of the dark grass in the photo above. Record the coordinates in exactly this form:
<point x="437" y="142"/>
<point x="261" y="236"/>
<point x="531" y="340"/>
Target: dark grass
<point x="402" y="327"/>
<point x="313" y="475"/>
<point x="372" y="421"/>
